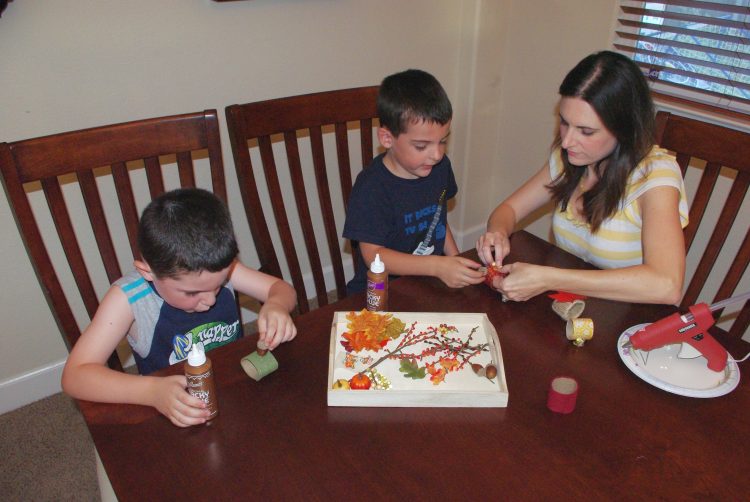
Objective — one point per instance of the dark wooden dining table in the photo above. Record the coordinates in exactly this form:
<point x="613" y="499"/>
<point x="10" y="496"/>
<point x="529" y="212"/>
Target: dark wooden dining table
<point x="277" y="439"/>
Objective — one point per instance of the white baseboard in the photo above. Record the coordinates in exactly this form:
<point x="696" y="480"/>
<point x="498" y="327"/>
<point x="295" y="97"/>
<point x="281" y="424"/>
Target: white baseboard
<point x="33" y="386"/>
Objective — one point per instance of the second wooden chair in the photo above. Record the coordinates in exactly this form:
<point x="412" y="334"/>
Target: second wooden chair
<point x="258" y="131"/>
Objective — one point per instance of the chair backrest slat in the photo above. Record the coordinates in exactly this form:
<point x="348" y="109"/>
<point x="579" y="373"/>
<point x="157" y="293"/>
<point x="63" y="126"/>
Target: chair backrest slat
<point x="326" y="207"/>
<point x="726" y="154"/>
<point x="154" y="176"/>
<point x="82" y="160"/>
<point x="303" y="210"/>
<point x="701" y="200"/>
<point x="95" y="209"/>
<point x="256" y="126"/>
<point x="365" y="138"/>
<point x="185" y="169"/>
<point x="128" y="208"/>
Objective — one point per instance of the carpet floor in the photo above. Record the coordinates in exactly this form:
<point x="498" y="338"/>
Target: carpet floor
<point x="47" y="453"/>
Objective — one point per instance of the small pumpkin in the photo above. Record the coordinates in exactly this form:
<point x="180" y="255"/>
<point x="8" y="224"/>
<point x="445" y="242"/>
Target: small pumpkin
<point x="360" y="381"/>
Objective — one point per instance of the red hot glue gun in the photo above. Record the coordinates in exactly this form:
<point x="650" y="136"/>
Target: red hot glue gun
<point x="689" y="328"/>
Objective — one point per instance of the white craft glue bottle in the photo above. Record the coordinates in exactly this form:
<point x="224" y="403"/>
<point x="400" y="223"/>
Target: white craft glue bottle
<point x="200" y="379"/>
<point x="377" y="286"/>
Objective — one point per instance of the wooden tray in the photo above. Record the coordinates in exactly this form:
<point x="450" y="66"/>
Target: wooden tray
<point x="428" y="363"/>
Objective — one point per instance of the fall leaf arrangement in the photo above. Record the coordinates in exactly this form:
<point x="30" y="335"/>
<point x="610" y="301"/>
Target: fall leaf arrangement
<point x="433" y="351"/>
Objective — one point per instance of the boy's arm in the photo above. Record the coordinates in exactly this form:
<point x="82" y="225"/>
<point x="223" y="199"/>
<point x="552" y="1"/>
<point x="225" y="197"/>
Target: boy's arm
<point x="278" y="298"/>
<point x="454" y="271"/>
<point x="86" y="375"/>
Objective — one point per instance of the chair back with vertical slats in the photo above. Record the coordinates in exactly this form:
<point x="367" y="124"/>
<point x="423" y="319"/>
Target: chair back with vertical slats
<point x="294" y="132"/>
<point x="726" y="154"/>
<point x="79" y="166"/>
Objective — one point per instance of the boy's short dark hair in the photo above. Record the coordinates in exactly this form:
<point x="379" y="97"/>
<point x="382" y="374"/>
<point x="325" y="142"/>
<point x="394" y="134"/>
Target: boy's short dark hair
<point x="411" y="96"/>
<point x="186" y="230"/>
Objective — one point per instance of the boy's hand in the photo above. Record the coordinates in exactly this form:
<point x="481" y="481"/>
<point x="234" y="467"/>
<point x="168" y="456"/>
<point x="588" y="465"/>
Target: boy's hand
<point x="458" y="272"/>
<point x="493" y="247"/>
<point x="174" y="402"/>
<point x="275" y="325"/>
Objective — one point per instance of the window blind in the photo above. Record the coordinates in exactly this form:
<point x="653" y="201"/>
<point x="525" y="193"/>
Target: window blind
<point x="692" y="49"/>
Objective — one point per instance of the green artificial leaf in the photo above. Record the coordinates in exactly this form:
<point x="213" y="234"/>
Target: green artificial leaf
<point x="411" y="369"/>
<point x="394" y="328"/>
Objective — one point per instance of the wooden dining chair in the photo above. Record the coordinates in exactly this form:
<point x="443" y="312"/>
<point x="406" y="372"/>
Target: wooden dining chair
<point x="79" y="173"/>
<point x="293" y="138"/>
<point x="719" y="152"/>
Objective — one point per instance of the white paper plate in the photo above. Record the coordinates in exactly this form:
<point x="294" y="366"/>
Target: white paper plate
<point x="687" y="377"/>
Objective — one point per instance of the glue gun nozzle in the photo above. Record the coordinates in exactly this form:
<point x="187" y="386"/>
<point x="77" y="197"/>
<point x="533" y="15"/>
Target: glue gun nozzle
<point x="627" y="345"/>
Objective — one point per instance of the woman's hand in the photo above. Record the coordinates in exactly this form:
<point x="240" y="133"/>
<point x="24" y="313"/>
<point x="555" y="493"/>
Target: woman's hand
<point x="493" y="247"/>
<point x="173" y="401"/>
<point x="523" y="281"/>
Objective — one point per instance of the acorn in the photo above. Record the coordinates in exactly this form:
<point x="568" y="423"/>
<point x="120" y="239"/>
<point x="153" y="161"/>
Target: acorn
<point x="262" y="348"/>
<point x="478" y="369"/>
<point x="490" y="371"/>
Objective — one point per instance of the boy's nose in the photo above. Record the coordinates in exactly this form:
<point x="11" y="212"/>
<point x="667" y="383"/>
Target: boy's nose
<point x="208" y="299"/>
<point x="437" y="153"/>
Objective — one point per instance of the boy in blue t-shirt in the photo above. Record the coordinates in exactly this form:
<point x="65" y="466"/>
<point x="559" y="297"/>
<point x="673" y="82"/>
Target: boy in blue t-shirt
<point x="398" y="205"/>
<point x="180" y="293"/>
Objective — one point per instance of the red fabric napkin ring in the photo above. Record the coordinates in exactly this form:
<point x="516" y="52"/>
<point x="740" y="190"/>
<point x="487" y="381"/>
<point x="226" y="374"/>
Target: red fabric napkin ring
<point x="562" y="395"/>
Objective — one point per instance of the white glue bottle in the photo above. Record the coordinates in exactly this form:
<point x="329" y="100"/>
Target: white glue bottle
<point x="200" y="379"/>
<point x="377" y="286"/>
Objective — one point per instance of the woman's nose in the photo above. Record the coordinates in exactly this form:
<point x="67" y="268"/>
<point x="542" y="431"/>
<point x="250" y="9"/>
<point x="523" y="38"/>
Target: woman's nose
<point x="566" y="138"/>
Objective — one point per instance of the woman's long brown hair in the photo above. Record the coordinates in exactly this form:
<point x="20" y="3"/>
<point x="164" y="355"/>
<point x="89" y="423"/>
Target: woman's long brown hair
<point x="617" y="91"/>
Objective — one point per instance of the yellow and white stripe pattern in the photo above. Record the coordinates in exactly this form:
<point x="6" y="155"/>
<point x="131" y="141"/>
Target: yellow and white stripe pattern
<point x="618" y="243"/>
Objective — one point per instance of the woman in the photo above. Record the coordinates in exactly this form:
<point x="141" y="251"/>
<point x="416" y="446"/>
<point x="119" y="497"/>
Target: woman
<point x="620" y="199"/>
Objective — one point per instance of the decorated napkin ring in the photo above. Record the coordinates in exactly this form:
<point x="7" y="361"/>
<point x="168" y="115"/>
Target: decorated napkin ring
<point x="490" y="272"/>
<point x="579" y="330"/>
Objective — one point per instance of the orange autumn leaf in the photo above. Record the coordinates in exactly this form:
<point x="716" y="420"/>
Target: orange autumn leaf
<point x="437" y="373"/>
<point x="359" y="340"/>
<point x="448" y="364"/>
<point x="372" y="324"/>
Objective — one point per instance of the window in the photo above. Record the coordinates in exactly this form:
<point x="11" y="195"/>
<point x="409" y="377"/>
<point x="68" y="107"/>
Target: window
<point x="694" y="49"/>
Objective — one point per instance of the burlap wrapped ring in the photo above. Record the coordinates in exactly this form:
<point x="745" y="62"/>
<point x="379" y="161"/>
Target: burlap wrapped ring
<point x="257" y="366"/>
<point x="569" y="310"/>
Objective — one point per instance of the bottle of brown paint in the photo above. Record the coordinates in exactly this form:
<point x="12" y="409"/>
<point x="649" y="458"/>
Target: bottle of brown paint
<point x="377" y="286"/>
<point x="200" y="379"/>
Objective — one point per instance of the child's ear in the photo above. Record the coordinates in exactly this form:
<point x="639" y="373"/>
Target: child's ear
<point x="143" y="269"/>
<point x="386" y="137"/>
